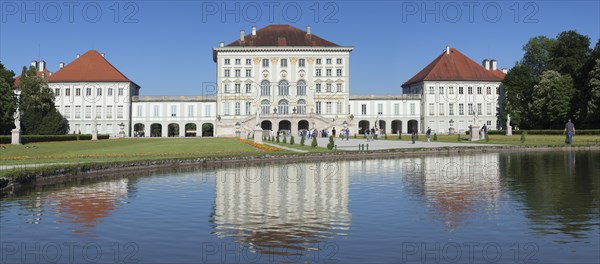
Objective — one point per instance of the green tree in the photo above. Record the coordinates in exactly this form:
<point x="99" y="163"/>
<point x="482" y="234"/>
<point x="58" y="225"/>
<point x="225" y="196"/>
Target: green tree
<point x="517" y="86"/>
<point x="7" y="75"/>
<point x="593" y="105"/>
<point x="331" y="143"/>
<point x="537" y="54"/>
<point x="551" y="99"/>
<point x="8" y="106"/>
<point x="39" y="115"/>
<point x="314" y="143"/>
<point x="302" y="141"/>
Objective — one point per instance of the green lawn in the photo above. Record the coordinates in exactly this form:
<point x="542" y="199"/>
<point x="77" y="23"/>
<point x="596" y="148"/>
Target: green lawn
<point x="513" y="140"/>
<point x="123" y="150"/>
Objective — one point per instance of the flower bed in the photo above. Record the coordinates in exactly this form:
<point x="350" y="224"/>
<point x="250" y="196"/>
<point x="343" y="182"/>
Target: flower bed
<point x="258" y="146"/>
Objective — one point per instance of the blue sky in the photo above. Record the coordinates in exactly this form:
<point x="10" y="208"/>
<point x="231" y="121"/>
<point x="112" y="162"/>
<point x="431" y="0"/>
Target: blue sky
<point x="165" y="46"/>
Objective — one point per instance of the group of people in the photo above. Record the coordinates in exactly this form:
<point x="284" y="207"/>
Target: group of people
<point x="313" y="133"/>
<point x="373" y="132"/>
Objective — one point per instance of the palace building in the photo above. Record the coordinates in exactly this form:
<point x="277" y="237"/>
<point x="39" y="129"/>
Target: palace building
<point x="292" y="79"/>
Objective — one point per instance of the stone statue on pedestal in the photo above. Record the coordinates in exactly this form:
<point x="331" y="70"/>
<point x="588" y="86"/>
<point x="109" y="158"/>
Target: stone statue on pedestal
<point x="17" y="117"/>
<point x="257" y="120"/>
<point x="508" y="126"/>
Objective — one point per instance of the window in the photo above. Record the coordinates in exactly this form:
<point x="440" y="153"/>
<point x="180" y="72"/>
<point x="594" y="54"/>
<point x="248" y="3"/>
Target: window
<point x="470" y="90"/>
<point x="450" y="109"/>
<point x="237" y="108"/>
<point x="226" y="108"/>
<point x="318" y="73"/>
<point x="461" y="109"/>
<point x="380" y="109"/>
<point x="338" y="107"/>
<point x="68" y="92"/>
<point x="441" y="109"/>
<point x="489" y="108"/>
<point x="431" y="90"/>
<point x="282" y="107"/>
<point x="207" y="110"/>
<point x="412" y="109"/>
<point x="264" y="107"/>
<point x="119" y="112"/>
<point x="301" y="88"/>
<point x="173" y="110"/>
<point x="284" y="88"/>
<point x="238" y="61"/>
<point x="470" y="109"/>
<point x="88" y="129"/>
<point x="339" y="87"/>
<point x="67" y="112"/>
<point x="318" y="106"/>
<point x="155" y="111"/>
<point x="265" y="62"/>
<point x="98" y="91"/>
<point x="479" y="109"/>
<point x="283" y="62"/>
<point x="460" y="90"/>
<point x="190" y="110"/>
<point x="431" y="109"/>
<point x="109" y="111"/>
<point x="88" y="111"/>
<point x="248" y="88"/>
<point x="338" y="72"/>
<point x="488" y="90"/>
<point x="109" y="129"/>
<point x="328" y="61"/>
<point x="238" y="88"/>
<point x="110" y="91"/>
<point x="238" y="73"/>
<point x="450" y="90"/>
<point x="328" y="107"/>
<point x="396" y="109"/>
<point x="318" y="87"/>
<point x="98" y="112"/>
<point x="301" y="63"/>
<point x="227" y="73"/>
<point x="248" y="108"/>
<point x="265" y="88"/>
<point x="226" y="88"/>
<point x="78" y="92"/>
<point x="57" y="92"/>
<point x="248" y="73"/>
<point x="339" y="61"/>
<point x="88" y="91"/>
<point x="328" y="87"/>
<point x="77" y="112"/>
<point x="478" y="90"/>
<point x="441" y="90"/>
<point x="497" y="90"/>
<point x="139" y="111"/>
<point x="120" y="91"/>
<point x="248" y="62"/>
<point x="301" y="106"/>
<point x="328" y="72"/>
<point x="318" y="62"/>
<point x="489" y="123"/>
<point x="227" y="62"/>
<point x="363" y="109"/>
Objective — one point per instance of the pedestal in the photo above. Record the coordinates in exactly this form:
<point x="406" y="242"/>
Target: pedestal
<point x="16" y="137"/>
<point x="258" y="134"/>
<point x="451" y="131"/>
<point x="509" y="131"/>
<point x="94" y="135"/>
<point x="474" y="133"/>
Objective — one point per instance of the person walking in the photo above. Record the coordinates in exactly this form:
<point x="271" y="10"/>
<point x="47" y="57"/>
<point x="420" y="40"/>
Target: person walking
<point x="376" y="133"/>
<point x="347" y="133"/>
<point x="333" y="132"/>
<point x="428" y="134"/>
<point x="414" y="135"/>
<point x="368" y="133"/>
<point x="570" y="131"/>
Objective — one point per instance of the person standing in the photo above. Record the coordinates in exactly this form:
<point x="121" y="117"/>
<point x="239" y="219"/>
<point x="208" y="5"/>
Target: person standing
<point x="570" y="131"/>
<point x="376" y="133"/>
<point x="414" y="135"/>
<point x="333" y="132"/>
<point x="368" y="133"/>
<point x="428" y="134"/>
<point x="347" y="133"/>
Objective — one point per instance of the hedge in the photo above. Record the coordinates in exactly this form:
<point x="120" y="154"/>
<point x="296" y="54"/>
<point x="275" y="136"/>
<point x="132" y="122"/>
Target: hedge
<point x="542" y="132"/>
<point x="47" y="138"/>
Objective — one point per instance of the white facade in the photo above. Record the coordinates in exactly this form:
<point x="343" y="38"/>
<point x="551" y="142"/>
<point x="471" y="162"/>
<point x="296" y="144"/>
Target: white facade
<point x="392" y="114"/>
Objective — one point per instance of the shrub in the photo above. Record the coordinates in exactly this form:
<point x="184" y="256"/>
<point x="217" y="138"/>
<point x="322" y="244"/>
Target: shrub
<point x="399" y="135"/>
<point x="302" y="141"/>
<point x="487" y="137"/>
<point x="48" y="138"/>
<point x="354" y="135"/>
<point x="292" y="140"/>
<point x="277" y="139"/>
<point x="435" y="137"/>
<point x="523" y="136"/>
<point x="314" y="143"/>
<point x="331" y="143"/>
<point x="458" y="137"/>
<point x="385" y="136"/>
<point x="284" y="139"/>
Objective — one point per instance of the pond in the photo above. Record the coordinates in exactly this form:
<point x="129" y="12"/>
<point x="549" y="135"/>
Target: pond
<point x="517" y="207"/>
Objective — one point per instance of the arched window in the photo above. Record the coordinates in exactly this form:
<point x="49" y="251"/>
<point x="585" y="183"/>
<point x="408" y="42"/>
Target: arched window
<point x="265" y="88"/>
<point x="282" y="107"/>
<point x="301" y="88"/>
<point x="264" y="106"/>
<point x="301" y="106"/>
<point x="284" y="88"/>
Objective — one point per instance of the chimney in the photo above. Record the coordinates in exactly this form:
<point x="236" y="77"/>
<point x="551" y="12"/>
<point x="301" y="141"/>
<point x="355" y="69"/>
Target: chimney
<point x="254" y="31"/>
<point x="102" y="54"/>
<point x="504" y="70"/>
<point x="308" y="30"/>
<point x="41" y="66"/>
<point x="61" y="65"/>
<point x="34" y="64"/>
<point x="448" y="50"/>
<point x="222" y="44"/>
<point x="486" y="64"/>
<point x="242" y="35"/>
<point x="78" y="55"/>
<point x="494" y="65"/>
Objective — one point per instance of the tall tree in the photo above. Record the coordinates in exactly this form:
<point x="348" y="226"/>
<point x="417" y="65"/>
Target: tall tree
<point x="537" y="54"/>
<point x="518" y="84"/>
<point x="37" y="105"/>
<point x="551" y="99"/>
<point x="6" y="75"/>
<point x="8" y="106"/>
<point x="569" y="53"/>
<point x="593" y="106"/>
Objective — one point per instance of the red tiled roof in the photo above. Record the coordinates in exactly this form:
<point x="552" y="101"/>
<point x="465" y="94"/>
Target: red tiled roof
<point x="46" y="73"/>
<point x="89" y="67"/>
<point x="455" y="67"/>
<point x="282" y="35"/>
